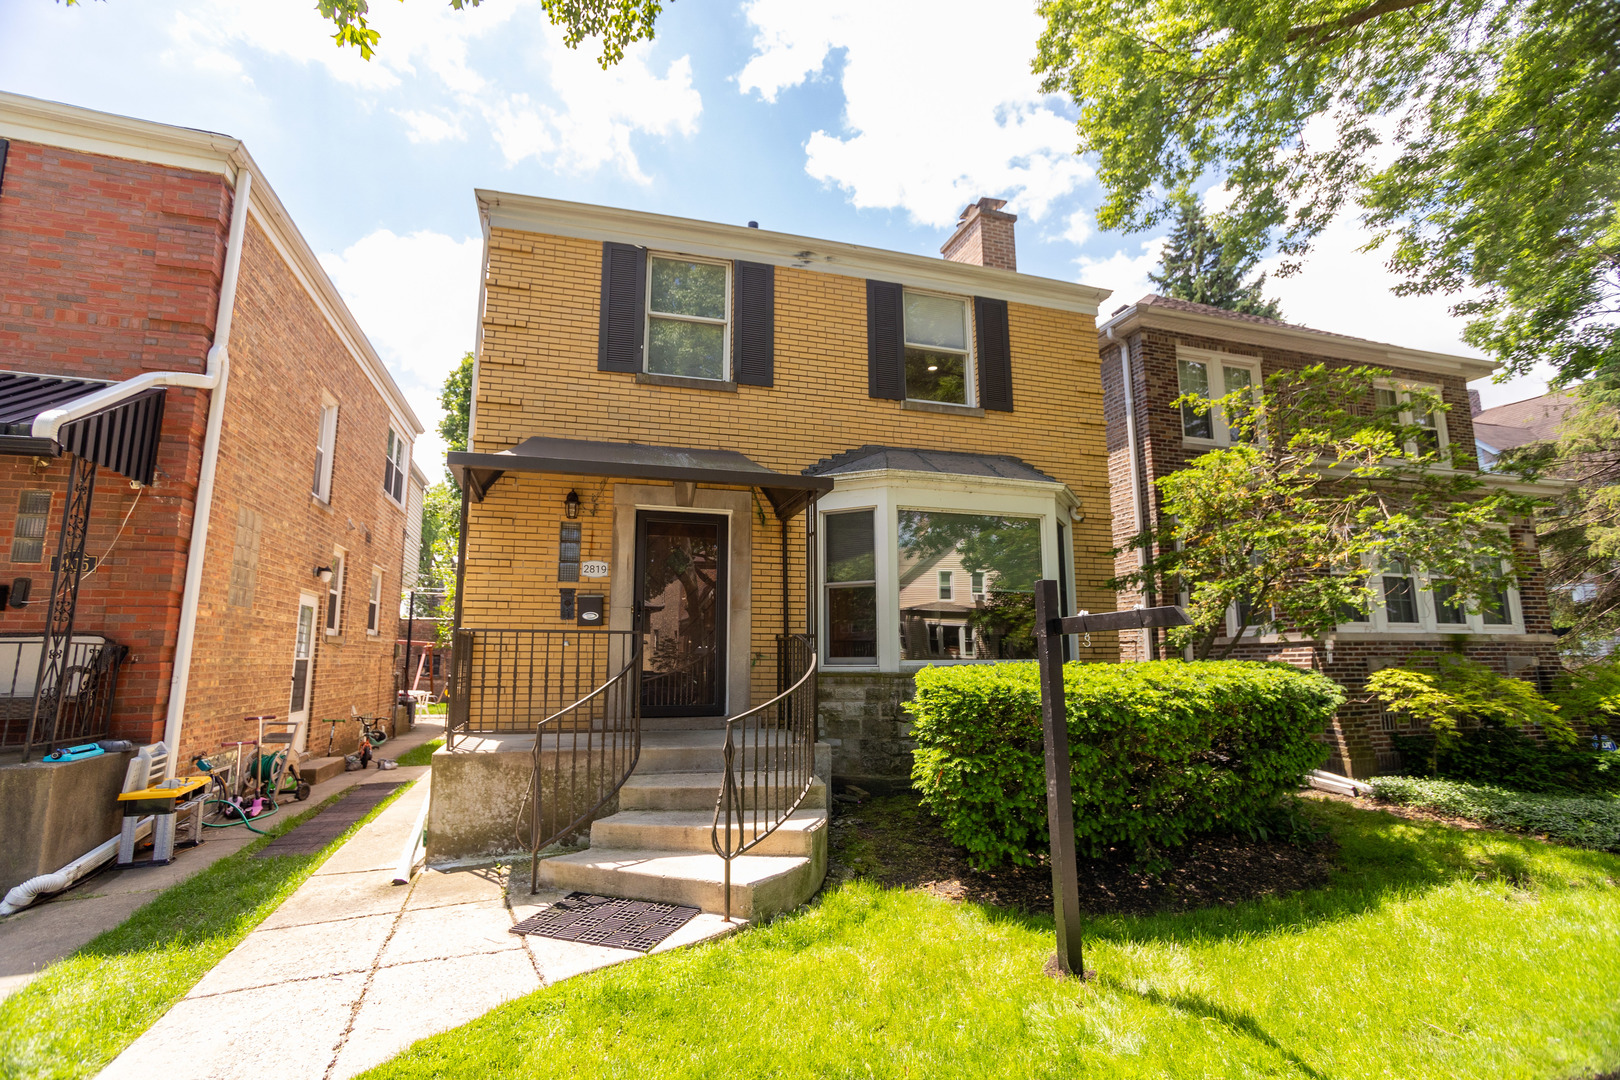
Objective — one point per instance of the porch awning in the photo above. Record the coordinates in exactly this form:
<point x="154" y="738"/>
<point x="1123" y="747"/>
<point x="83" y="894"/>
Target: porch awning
<point x="788" y="492"/>
<point x="123" y="436"/>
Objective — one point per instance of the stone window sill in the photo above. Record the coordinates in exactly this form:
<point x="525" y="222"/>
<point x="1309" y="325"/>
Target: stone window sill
<point x="648" y="379"/>
<point x="940" y="407"/>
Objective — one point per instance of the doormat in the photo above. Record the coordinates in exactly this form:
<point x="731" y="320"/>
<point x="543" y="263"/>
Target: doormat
<point x="313" y="835"/>
<point x="607" y="920"/>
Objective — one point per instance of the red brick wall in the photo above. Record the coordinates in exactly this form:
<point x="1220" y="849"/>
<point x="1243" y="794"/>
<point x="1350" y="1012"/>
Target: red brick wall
<point x="283" y="355"/>
<point x="1358" y="742"/>
<point x="109" y="268"/>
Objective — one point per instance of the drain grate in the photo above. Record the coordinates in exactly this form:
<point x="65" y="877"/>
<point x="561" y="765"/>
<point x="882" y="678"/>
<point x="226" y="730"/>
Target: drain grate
<point x="607" y="920"/>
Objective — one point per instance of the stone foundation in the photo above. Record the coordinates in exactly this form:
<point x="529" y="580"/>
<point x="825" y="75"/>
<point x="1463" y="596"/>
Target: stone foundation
<point x="863" y="719"/>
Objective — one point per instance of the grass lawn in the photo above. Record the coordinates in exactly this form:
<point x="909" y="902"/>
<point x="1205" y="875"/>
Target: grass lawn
<point x="1432" y="952"/>
<point x="84" y="1009"/>
<point x="420" y="755"/>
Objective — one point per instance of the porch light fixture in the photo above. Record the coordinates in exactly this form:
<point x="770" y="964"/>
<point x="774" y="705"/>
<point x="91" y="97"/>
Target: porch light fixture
<point x="571" y="506"/>
<point x="324" y="573"/>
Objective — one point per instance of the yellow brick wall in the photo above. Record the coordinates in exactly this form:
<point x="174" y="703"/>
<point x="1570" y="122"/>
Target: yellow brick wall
<point x="537" y="375"/>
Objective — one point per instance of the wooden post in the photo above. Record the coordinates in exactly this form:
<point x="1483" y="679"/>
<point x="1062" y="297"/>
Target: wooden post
<point x="1059" y="787"/>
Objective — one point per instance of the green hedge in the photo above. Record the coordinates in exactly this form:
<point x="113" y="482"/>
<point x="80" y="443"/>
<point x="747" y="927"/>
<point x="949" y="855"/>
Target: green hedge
<point x="1160" y="751"/>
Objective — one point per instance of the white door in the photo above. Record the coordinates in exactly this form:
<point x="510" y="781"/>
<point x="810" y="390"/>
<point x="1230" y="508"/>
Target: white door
<point x="303" y="644"/>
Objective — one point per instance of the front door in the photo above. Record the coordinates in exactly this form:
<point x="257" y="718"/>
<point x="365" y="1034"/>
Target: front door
<point x="681" y="590"/>
<point x="303" y="642"/>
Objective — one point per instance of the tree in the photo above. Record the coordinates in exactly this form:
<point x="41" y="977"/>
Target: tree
<point x="1479" y="137"/>
<point x="1200" y="266"/>
<point x="1317" y="495"/>
<point x="455" y="398"/>
<point x="441" y="507"/>
<point x="617" y="23"/>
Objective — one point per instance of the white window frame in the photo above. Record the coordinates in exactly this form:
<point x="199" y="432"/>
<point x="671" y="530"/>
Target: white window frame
<point x="332" y="613"/>
<point x="887" y="492"/>
<point x="374" y="603"/>
<point x="724" y="324"/>
<point x="397" y="466"/>
<point x="325" y="449"/>
<point x="970" y="367"/>
<point x="1214" y="365"/>
<point x="1403" y="395"/>
<point x="945" y="581"/>
<point x="1428" y="611"/>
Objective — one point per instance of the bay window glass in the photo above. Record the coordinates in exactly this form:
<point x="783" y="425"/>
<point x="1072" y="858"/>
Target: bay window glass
<point x="850" y="573"/>
<point x="687" y="311"/>
<point x="936" y="348"/>
<point x="1002" y="555"/>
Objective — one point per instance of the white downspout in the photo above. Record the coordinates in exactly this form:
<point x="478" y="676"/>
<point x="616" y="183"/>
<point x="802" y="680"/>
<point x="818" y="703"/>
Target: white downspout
<point x="219" y="366"/>
<point x="1138" y="510"/>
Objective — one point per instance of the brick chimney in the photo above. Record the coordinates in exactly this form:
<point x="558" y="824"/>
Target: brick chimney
<point x="983" y="236"/>
<point x="1474" y="405"/>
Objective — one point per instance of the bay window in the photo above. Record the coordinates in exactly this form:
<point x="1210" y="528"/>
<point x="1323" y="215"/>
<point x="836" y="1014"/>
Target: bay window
<point x="851" y="576"/>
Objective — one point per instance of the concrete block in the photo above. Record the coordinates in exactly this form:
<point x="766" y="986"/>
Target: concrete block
<point x="51" y="813"/>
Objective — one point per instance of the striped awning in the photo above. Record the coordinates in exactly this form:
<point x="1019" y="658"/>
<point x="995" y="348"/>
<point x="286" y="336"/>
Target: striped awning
<point x="122" y="437"/>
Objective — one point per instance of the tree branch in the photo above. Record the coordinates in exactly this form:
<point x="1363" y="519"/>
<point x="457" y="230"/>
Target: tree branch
<point x="1323" y="31"/>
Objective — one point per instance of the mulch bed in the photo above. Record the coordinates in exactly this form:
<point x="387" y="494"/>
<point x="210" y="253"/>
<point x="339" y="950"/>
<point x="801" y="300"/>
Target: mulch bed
<point x="1410" y="813"/>
<point x="894" y="841"/>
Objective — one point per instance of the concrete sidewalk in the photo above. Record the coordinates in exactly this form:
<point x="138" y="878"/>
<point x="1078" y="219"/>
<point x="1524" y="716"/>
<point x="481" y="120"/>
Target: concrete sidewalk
<point x="352" y="969"/>
<point x="42" y="934"/>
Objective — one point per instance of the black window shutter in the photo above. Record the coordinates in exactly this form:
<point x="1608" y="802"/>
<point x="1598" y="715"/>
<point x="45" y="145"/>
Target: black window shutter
<point x="624" y="288"/>
<point x="885" y="341"/>
<point x="995" y="354"/>
<point x="754" y="309"/>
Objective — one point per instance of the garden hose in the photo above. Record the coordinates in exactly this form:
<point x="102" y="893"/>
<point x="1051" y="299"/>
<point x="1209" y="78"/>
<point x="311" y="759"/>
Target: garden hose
<point x="245" y="819"/>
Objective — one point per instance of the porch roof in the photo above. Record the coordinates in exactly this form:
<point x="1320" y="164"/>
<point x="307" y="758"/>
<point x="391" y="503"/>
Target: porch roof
<point x="788" y="492"/>
<point x="123" y="436"/>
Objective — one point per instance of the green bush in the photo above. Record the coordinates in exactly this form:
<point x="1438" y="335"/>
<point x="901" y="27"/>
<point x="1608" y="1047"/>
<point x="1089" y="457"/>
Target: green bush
<point x="1160" y="751"/>
<point x="1582" y="821"/>
<point x="1493" y="753"/>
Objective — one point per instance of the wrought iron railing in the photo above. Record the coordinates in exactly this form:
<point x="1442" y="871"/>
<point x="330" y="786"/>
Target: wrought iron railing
<point x="88" y="682"/>
<point x="504" y="680"/>
<point x="769" y="758"/>
<point x="583" y="754"/>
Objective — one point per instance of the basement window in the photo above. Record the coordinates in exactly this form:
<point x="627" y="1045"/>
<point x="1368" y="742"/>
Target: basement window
<point x="28" y="540"/>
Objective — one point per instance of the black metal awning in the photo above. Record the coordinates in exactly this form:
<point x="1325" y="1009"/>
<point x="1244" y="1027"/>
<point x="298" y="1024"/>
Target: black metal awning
<point x="787" y="492"/>
<point x="122" y="437"/>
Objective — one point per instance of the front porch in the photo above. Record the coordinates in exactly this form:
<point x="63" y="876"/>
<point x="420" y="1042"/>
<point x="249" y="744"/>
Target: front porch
<point x="634" y="659"/>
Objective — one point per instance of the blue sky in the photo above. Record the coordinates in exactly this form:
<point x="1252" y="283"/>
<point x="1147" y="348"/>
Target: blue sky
<point x="870" y="121"/>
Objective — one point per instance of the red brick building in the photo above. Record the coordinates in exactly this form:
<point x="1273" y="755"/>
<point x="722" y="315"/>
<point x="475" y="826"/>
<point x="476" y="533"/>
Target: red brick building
<point x="148" y="268"/>
<point x="1155" y="350"/>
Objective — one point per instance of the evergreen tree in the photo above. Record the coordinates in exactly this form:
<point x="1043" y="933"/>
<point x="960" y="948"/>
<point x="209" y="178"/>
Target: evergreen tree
<point x="1199" y="266"/>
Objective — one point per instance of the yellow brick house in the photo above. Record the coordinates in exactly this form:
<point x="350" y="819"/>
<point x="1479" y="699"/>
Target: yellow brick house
<point x="667" y="416"/>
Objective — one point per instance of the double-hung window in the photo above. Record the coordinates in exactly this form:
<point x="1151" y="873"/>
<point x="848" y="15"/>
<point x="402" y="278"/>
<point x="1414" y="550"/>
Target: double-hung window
<point x="688" y="317"/>
<point x="334" y="594"/>
<point x="939" y="354"/>
<point x="1212" y="376"/>
<point x="374" y="603"/>
<point x="394" y="467"/>
<point x="1430" y="423"/>
<point x="851" y="564"/>
<point x="1411" y="601"/>
<point x="946" y="591"/>
<point x="325" y="442"/>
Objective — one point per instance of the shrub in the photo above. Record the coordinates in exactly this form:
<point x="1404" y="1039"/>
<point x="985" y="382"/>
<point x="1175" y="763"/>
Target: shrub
<point x="1493" y="753"/>
<point x="1582" y="821"/>
<point x="1447" y="693"/>
<point x="1160" y="751"/>
<point x="1590" y="694"/>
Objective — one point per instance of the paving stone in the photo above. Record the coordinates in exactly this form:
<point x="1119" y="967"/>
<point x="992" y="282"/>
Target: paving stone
<point x="269" y="957"/>
<point x="457" y="930"/>
<point x="441" y="888"/>
<point x="334" y="897"/>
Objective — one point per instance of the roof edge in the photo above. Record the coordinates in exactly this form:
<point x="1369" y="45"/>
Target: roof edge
<point x="588" y="221"/>
<point x="1324" y="342"/>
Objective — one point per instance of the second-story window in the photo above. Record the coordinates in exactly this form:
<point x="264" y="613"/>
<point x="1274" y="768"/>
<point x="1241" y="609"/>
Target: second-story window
<point x="394" y="467"/>
<point x="325" y="441"/>
<point x="939" y="361"/>
<point x="945" y="590"/>
<point x="688" y="312"/>
<point x="1430" y="424"/>
<point x="1210" y="378"/>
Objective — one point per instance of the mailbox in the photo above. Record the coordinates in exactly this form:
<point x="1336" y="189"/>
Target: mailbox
<point x="589" y="610"/>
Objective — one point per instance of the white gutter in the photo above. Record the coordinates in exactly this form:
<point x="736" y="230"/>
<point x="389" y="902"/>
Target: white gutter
<point x="219" y="368"/>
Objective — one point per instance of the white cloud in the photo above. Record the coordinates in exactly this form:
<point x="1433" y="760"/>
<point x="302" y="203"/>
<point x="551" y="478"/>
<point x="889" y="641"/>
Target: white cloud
<point x="416" y="297"/>
<point x="940" y="104"/>
<point x="1078" y="227"/>
<point x="426" y="127"/>
<point x="1123" y="272"/>
<point x="596" y="112"/>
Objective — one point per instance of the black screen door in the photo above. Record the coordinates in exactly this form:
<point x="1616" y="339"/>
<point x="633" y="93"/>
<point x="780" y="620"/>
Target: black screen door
<point x="681" y="587"/>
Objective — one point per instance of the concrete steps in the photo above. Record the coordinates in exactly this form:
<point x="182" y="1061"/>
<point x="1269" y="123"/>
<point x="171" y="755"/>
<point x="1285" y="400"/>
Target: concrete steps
<point x="658" y="846"/>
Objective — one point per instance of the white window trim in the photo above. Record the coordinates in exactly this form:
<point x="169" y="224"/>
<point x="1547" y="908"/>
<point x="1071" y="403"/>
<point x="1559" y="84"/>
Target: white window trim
<point x="970" y="365"/>
<point x="402" y="448"/>
<point x="1403" y="393"/>
<point x="340" y="571"/>
<point x="374" y="603"/>
<point x="1428" y="612"/>
<point x="887" y="492"/>
<point x="1213" y="362"/>
<point x="724" y="324"/>
<point x="326" y="448"/>
<point x="945" y="583"/>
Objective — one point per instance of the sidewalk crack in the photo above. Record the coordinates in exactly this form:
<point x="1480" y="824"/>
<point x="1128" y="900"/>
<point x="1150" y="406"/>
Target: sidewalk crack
<point x="371" y="974"/>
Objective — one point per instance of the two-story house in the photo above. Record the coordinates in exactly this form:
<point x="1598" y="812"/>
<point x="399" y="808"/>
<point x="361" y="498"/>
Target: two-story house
<point x="203" y="467"/>
<point x="709" y="437"/>
<point x="1158" y="349"/>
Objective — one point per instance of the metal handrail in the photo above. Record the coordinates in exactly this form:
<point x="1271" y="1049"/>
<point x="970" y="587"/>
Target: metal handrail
<point x="623" y="755"/>
<point x="783" y="769"/>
